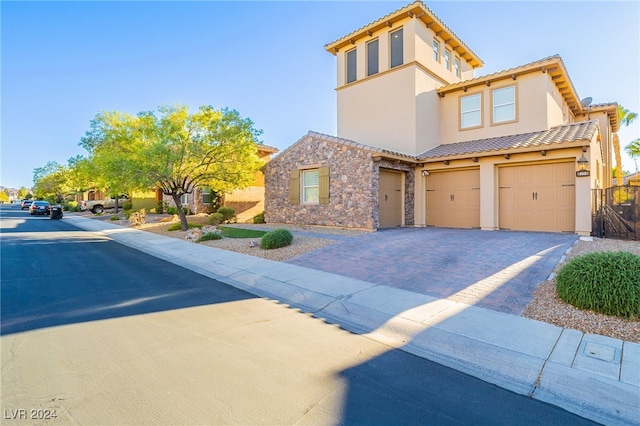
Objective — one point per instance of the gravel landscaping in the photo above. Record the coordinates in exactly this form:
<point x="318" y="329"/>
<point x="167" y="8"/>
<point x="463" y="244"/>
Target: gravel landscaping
<point x="545" y="306"/>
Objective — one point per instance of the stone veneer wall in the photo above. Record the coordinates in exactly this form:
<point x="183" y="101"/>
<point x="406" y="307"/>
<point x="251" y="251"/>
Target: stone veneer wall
<point x="409" y="185"/>
<point x="352" y="197"/>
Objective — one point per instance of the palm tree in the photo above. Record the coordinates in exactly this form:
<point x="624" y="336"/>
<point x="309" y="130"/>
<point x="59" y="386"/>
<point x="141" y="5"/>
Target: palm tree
<point x="633" y="149"/>
<point x="626" y="117"/>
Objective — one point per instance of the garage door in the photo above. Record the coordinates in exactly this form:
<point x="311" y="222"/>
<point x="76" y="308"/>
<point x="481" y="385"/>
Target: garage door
<point x="453" y="199"/>
<point x="390" y="199"/>
<point x="538" y="197"/>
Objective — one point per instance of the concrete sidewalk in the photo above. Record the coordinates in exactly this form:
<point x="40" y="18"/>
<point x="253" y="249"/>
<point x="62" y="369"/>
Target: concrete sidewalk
<point x="593" y="376"/>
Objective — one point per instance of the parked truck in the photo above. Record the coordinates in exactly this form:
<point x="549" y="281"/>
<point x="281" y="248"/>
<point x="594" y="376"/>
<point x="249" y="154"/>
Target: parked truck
<point x="99" y="206"/>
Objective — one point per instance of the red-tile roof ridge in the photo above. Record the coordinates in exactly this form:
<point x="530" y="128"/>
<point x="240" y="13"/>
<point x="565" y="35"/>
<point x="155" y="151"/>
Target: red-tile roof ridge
<point x="583" y="130"/>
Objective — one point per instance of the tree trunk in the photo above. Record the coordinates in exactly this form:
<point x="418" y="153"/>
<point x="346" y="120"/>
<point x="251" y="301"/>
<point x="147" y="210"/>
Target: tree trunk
<point x="181" y="214"/>
<point x="616" y="152"/>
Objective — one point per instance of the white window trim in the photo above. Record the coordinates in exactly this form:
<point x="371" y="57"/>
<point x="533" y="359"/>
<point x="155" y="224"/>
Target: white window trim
<point x="447" y="59"/>
<point x="513" y="102"/>
<point x="436" y="50"/>
<point x="184" y="199"/>
<point x="303" y="187"/>
<point x="479" y="109"/>
<point x="456" y="66"/>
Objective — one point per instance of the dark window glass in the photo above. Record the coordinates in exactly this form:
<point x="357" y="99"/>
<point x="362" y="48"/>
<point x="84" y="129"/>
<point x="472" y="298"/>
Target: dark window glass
<point x="396" y="48"/>
<point x="351" y="66"/>
<point x="372" y="57"/>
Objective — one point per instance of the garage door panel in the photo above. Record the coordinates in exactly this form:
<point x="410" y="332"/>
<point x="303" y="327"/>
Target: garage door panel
<point x="453" y="199"/>
<point x="538" y="197"/>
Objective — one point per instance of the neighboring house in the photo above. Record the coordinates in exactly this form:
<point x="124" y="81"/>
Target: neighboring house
<point x="631" y="179"/>
<point x="247" y="202"/>
<point x="421" y="142"/>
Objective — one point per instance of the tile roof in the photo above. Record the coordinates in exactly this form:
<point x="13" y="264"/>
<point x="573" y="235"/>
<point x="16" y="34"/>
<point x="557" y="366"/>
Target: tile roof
<point x="551" y="64"/>
<point x="347" y="142"/>
<point x="420" y="11"/>
<point x="583" y="130"/>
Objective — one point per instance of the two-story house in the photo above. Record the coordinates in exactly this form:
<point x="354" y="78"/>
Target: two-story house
<point x="422" y="142"/>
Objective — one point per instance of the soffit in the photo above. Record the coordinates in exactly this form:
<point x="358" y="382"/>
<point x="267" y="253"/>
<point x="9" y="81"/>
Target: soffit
<point x="553" y="65"/>
<point x="419" y="11"/>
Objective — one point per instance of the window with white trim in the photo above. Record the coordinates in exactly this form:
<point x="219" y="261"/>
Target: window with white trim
<point x="504" y="104"/>
<point x="397" y="46"/>
<point x="352" y="62"/>
<point x="310" y="186"/>
<point x="436" y="50"/>
<point x="184" y="199"/>
<point x="470" y="111"/>
<point x="447" y="59"/>
<point x="456" y="66"/>
<point x="372" y="57"/>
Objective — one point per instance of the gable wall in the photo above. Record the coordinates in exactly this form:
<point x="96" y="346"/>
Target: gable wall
<point x="351" y="185"/>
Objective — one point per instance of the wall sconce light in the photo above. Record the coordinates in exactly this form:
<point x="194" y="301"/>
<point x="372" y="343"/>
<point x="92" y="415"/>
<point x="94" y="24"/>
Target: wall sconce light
<point x="582" y="167"/>
<point x="507" y="156"/>
<point x="543" y="153"/>
<point x="474" y="159"/>
<point x="446" y="162"/>
<point x="425" y="173"/>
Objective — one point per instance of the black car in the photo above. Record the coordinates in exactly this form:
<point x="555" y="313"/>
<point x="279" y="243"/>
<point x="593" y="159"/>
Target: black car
<point x="40" y="207"/>
<point x="25" y="204"/>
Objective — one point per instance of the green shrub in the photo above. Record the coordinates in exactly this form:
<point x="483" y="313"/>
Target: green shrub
<point x="172" y="210"/>
<point x="215" y="219"/>
<point x="138" y="218"/>
<point x="605" y="282"/>
<point x="127" y="205"/>
<point x="114" y="217"/>
<point x="209" y="236"/>
<point x="275" y="239"/>
<point x="259" y="218"/>
<point x="228" y="214"/>
<point x="178" y="226"/>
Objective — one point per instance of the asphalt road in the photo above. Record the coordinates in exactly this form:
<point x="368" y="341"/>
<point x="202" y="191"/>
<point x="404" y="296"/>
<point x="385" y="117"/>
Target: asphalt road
<point x="93" y="332"/>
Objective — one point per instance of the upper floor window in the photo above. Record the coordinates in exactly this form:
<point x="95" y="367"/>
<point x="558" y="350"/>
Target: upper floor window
<point x="504" y="104"/>
<point x="447" y="59"/>
<point x="396" y="48"/>
<point x="436" y="50"/>
<point x="372" y="57"/>
<point x="456" y="66"/>
<point x="470" y="111"/>
<point x="352" y="62"/>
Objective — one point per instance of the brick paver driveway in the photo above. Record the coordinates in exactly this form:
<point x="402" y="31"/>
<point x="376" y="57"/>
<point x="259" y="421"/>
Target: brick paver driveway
<point x="496" y="270"/>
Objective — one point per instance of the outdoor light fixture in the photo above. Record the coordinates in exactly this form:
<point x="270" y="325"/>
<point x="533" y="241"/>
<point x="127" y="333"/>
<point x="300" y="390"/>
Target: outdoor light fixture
<point x="582" y="167"/>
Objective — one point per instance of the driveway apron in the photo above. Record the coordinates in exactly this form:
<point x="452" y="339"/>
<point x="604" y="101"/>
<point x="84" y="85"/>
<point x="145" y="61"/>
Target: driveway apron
<point x="497" y="270"/>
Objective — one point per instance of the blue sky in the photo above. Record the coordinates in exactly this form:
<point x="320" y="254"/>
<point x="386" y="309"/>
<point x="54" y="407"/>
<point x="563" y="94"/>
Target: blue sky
<point x="63" y="62"/>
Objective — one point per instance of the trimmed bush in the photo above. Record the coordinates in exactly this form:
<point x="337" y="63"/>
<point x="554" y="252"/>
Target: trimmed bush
<point x="172" y="210"/>
<point x="127" y="205"/>
<point x="259" y="218"/>
<point x="275" y="239"/>
<point x="209" y="236"/>
<point x="215" y="219"/>
<point x="228" y="214"/>
<point x="114" y="217"/>
<point x="605" y="282"/>
<point x="178" y="226"/>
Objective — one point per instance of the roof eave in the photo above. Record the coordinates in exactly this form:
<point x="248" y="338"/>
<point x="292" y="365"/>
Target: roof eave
<point x="419" y="11"/>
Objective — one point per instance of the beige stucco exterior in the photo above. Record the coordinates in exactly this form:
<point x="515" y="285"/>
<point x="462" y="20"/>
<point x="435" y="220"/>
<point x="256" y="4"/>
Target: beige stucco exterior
<point x="413" y="112"/>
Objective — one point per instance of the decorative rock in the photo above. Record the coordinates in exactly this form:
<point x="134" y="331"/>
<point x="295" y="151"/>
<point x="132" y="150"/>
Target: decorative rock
<point x="193" y="234"/>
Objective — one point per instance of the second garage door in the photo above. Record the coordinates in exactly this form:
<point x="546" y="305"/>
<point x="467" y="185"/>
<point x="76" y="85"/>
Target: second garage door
<point x="539" y="197"/>
<point x="453" y="199"/>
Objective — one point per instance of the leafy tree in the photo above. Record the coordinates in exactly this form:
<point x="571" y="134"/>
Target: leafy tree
<point x="174" y="150"/>
<point x="22" y="193"/>
<point x="626" y="117"/>
<point x="4" y="196"/>
<point x="50" y="181"/>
